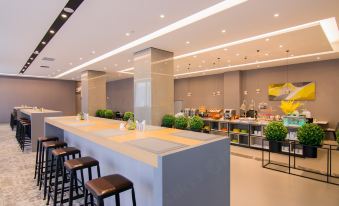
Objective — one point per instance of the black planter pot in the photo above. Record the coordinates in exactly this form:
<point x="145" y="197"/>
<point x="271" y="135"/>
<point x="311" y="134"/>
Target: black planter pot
<point x="274" y="146"/>
<point x="310" y="151"/>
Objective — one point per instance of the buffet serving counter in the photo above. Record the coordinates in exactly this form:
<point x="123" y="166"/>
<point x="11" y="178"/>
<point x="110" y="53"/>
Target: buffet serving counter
<point x="167" y="166"/>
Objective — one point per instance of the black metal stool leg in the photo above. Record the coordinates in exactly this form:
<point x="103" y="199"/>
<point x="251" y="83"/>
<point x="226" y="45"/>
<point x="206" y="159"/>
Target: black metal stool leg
<point x="70" y="198"/>
<point x="36" y="159"/>
<point x="41" y="168"/>
<point x="117" y="200"/>
<point x="133" y="197"/>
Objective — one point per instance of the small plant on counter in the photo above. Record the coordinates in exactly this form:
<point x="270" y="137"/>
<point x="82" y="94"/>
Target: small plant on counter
<point x="128" y="116"/>
<point x="275" y="131"/>
<point x="181" y="122"/>
<point x="108" y="114"/>
<point x="310" y="134"/>
<point x="168" y="121"/>
<point x="98" y="113"/>
<point x="196" y="123"/>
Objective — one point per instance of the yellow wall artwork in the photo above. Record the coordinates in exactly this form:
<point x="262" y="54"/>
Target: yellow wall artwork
<point x="299" y="91"/>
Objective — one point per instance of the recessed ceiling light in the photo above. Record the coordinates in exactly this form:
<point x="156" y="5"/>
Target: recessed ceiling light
<point x="64" y="16"/>
<point x="31" y="58"/>
<point x="93" y="52"/>
<point x="292" y="55"/>
<point x="162" y="16"/>
<point x="266" y="54"/>
<point x="276" y="15"/>
<point x="28" y="63"/>
<point x="225" y="49"/>
<point x="128" y="34"/>
<point x="80" y="58"/>
<point x="70" y="63"/>
<point x="281" y="46"/>
<point x="223" y="31"/>
<point x="237" y="54"/>
<point x="187" y="42"/>
<point x="36" y="52"/>
<point x="128" y="60"/>
<point x="318" y="58"/>
<point x="51" y="31"/>
<point x="195" y="56"/>
<point x="68" y="10"/>
<point x="267" y="39"/>
<point x="43" y="42"/>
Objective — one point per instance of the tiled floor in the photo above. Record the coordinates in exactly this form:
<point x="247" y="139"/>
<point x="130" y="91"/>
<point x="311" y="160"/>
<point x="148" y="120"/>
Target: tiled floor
<point x="250" y="183"/>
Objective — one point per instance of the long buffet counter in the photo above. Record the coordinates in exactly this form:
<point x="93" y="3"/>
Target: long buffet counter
<point x="167" y="166"/>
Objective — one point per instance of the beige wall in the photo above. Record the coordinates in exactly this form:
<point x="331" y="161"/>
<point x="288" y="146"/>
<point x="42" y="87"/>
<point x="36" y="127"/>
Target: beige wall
<point x="120" y="95"/>
<point x="325" y="74"/>
<point x="51" y="94"/>
<point x="202" y="89"/>
<point x="232" y="84"/>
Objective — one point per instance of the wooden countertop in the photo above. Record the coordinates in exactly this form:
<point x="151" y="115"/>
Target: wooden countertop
<point x="31" y="111"/>
<point x="108" y="134"/>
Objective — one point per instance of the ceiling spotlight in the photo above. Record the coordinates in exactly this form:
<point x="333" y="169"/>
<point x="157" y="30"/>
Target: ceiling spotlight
<point x="68" y="10"/>
<point x="223" y="31"/>
<point x="43" y="42"/>
<point x="225" y="49"/>
<point x="80" y="58"/>
<point x="237" y="54"/>
<point x="318" y="58"/>
<point x="51" y="31"/>
<point x="28" y="63"/>
<point x="162" y="16"/>
<point x="187" y="42"/>
<point x="128" y="34"/>
<point x="64" y="16"/>
<point x="36" y="52"/>
<point x="31" y="58"/>
<point x="276" y="15"/>
<point x="281" y="46"/>
<point x="70" y="63"/>
<point x="93" y="52"/>
<point x="292" y="55"/>
<point x="267" y="39"/>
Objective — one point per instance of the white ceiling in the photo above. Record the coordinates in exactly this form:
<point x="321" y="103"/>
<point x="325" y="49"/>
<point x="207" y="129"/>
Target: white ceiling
<point x="100" y="26"/>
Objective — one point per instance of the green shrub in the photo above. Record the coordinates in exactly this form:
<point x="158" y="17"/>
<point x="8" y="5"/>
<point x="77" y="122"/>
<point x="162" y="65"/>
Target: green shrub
<point x="98" y="113"/>
<point x="108" y="114"/>
<point x="102" y="113"/>
<point x="168" y="121"/>
<point x="276" y="131"/>
<point x="196" y="123"/>
<point x="181" y="122"/>
<point x="310" y="134"/>
<point x="128" y="115"/>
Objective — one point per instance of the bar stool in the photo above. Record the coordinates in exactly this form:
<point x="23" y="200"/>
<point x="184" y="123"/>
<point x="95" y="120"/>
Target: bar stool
<point x="74" y="165"/>
<point x="108" y="186"/>
<point x="47" y="147"/>
<point x="59" y="155"/>
<point x="24" y="134"/>
<point x="38" y="153"/>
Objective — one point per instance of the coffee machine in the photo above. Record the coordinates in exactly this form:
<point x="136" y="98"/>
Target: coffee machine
<point x="229" y="113"/>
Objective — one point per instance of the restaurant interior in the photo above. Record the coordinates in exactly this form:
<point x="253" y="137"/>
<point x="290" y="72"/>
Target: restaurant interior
<point x="169" y="103"/>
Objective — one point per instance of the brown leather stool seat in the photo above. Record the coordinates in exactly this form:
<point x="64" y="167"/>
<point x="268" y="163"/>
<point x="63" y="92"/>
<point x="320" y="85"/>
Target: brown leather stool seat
<point x="65" y="151"/>
<point x="74" y="165"/>
<point x="47" y="148"/>
<point x="110" y="185"/>
<point x="59" y="155"/>
<point x="45" y="139"/>
<point x="81" y="163"/>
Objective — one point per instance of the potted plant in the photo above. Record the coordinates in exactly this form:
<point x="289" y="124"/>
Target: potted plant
<point x="196" y="123"/>
<point x="127" y="116"/>
<point x="168" y="121"/>
<point x="181" y="122"/>
<point x="310" y="136"/>
<point x="98" y="113"/>
<point x="102" y="113"/>
<point x="109" y="114"/>
<point x="275" y="132"/>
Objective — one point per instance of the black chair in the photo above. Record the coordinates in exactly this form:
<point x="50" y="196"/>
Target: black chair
<point x="108" y="186"/>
